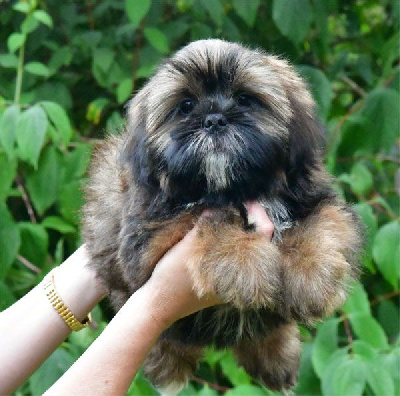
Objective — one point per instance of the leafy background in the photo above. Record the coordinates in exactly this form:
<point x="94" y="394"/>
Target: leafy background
<point x="66" y="70"/>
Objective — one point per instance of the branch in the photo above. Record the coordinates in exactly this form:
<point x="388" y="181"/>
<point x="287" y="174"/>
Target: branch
<point x="353" y="85"/>
<point x="28" y="264"/>
<point x="210" y="385"/>
<point x="26" y="200"/>
<point x="349" y="334"/>
<point x="383" y="297"/>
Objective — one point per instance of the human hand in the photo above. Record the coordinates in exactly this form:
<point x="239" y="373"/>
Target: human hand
<point x="171" y="283"/>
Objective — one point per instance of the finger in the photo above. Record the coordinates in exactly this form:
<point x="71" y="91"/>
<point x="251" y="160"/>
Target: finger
<point x="258" y="216"/>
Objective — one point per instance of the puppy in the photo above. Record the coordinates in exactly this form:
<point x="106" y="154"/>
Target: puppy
<point x="219" y="125"/>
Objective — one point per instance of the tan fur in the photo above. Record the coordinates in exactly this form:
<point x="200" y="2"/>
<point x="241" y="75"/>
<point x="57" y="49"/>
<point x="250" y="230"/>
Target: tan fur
<point x="316" y="259"/>
<point x="248" y="273"/>
<point x="273" y="360"/>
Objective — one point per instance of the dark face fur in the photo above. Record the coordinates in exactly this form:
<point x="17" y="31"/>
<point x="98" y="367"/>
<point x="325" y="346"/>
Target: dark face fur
<point x="222" y="124"/>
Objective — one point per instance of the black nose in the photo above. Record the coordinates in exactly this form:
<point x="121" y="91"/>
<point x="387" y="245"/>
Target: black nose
<point x="215" y="121"/>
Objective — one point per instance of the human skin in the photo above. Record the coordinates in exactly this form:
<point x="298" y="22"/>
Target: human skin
<point x="31" y="330"/>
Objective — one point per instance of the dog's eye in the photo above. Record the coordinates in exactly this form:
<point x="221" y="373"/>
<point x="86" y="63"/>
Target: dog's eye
<point x="186" y="106"/>
<point x="245" y="100"/>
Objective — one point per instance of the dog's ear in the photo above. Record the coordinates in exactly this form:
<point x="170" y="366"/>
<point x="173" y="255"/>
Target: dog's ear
<point x="134" y="153"/>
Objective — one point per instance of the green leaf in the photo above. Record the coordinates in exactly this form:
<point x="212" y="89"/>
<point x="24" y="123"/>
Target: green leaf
<point x="59" y="118"/>
<point x="77" y="161"/>
<point x="357" y="301"/>
<point x="124" y="90"/>
<point x="137" y="10"/>
<point x="386" y="252"/>
<point x="7" y="296"/>
<point x="349" y="378"/>
<point x="8" y="129"/>
<point x="379" y="379"/>
<point x="15" y="41"/>
<point x="237" y="375"/>
<point x="365" y="350"/>
<point x="9" y="240"/>
<point x="361" y="180"/>
<point x="71" y="201"/>
<point x="247" y="10"/>
<point x="140" y="386"/>
<point x="95" y="109"/>
<point x="368" y="330"/>
<point x="368" y="217"/>
<point x="37" y="68"/>
<point x="214" y="9"/>
<point x="157" y="39"/>
<point x="250" y="390"/>
<point x="34" y="242"/>
<point x="309" y="383"/>
<point x="207" y="391"/>
<point x="58" y="224"/>
<point x="29" y="25"/>
<point x="8" y="61"/>
<point x="43" y="17"/>
<point x="321" y="88"/>
<point x="50" y="371"/>
<point x="381" y="110"/>
<point x="31" y="132"/>
<point x="293" y="18"/>
<point x="24" y="7"/>
<point x="43" y="184"/>
<point x="325" y="344"/>
<point x="8" y="171"/>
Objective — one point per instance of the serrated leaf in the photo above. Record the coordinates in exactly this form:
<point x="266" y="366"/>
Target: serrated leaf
<point x="357" y="301"/>
<point x="8" y="171"/>
<point x="43" y="184"/>
<point x="15" y="41"/>
<point x="31" y="132"/>
<point x="381" y="111"/>
<point x="8" y="129"/>
<point x="34" y="242"/>
<point x="37" y="68"/>
<point x="60" y="120"/>
<point x="386" y="252"/>
<point x="157" y="39"/>
<point x="214" y="9"/>
<point x="368" y="330"/>
<point x="137" y="10"/>
<point x="50" y="371"/>
<point x="325" y="344"/>
<point x="293" y="18"/>
<point x="321" y="88"/>
<point x="43" y="17"/>
<point x="247" y="10"/>
<point x="9" y="240"/>
<point x="124" y="90"/>
<point x="58" y="224"/>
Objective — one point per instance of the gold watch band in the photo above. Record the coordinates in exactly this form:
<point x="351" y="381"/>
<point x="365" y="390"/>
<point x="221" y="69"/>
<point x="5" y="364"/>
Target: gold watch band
<point x="58" y="304"/>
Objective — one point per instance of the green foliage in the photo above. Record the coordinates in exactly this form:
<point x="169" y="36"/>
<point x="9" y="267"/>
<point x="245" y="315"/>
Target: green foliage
<point x="66" y="70"/>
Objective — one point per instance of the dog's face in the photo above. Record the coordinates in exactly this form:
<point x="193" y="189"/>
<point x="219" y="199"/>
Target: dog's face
<point x="219" y="120"/>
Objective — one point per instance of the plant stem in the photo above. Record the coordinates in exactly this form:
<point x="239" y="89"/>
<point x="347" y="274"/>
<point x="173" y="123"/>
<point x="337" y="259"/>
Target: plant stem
<point x="20" y="71"/>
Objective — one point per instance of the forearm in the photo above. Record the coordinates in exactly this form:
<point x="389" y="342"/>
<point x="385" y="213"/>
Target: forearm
<point x="31" y="329"/>
<point x="112" y="361"/>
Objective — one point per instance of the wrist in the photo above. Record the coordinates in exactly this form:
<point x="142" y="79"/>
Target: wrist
<point x="77" y="285"/>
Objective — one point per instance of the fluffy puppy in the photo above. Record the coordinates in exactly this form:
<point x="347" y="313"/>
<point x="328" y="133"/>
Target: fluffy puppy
<point x="219" y="125"/>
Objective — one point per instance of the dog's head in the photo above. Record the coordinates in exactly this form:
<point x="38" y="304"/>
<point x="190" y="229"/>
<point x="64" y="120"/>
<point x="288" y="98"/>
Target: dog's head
<point x="221" y="120"/>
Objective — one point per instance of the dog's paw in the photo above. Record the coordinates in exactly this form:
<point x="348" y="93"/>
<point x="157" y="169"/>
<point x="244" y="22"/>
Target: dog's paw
<point x="241" y="267"/>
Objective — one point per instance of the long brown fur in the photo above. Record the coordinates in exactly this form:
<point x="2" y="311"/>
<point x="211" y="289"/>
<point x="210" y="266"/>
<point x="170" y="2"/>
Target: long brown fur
<point x="140" y="202"/>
